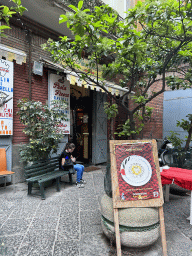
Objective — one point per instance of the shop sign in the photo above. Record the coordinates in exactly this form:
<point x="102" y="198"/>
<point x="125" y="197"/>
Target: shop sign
<point x="6" y="95"/>
<point x="59" y="89"/>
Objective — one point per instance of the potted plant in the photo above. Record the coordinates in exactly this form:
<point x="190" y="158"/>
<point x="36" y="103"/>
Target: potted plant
<point x="41" y="127"/>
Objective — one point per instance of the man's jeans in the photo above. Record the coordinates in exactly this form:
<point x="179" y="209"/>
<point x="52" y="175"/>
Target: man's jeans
<point x="80" y="169"/>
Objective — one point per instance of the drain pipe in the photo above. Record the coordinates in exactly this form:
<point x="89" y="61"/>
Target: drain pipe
<point x="29" y="40"/>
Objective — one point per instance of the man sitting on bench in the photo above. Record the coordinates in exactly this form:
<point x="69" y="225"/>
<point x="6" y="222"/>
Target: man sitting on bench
<point x="67" y="159"/>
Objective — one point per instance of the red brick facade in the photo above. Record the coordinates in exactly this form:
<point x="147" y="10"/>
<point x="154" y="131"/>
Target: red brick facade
<point x="21" y="90"/>
<point x="17" y="37"/>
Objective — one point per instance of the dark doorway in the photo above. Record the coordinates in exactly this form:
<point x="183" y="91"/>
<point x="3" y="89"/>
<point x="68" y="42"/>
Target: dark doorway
<point x="81" y="115"/>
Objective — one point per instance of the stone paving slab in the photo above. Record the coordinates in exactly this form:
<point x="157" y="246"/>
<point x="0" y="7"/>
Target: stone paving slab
<point x="37" y="242"/>
<point x="68" y="223"/>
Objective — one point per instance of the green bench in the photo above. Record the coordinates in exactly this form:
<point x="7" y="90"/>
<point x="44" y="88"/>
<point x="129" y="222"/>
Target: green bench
<point x="45" y="170"/>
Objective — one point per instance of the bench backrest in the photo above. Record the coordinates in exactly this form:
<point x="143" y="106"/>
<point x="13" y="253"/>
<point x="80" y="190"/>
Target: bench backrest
<point x="3" y="161"/>
<point x="41" y="167"/>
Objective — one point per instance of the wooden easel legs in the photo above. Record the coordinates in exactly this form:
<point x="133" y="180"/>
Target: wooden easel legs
<point x="162" y="227"/>
<point x="117" y="232"/>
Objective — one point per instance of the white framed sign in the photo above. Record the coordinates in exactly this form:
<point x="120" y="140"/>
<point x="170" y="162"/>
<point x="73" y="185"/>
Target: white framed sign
<point x="6" y="94"/>
<point x="59" y="89"/>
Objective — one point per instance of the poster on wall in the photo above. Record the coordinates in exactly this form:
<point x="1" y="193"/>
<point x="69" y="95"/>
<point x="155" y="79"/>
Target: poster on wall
<point x="59" y="89"/>
<point x="6" y="97"/>
<point x="135" y="172"/>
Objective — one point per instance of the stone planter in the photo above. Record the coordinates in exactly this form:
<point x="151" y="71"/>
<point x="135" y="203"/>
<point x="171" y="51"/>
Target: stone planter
<point x="139" y="227"/>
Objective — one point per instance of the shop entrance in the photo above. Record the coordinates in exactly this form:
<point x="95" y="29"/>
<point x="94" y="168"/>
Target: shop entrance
<point x="81" y="129"/>
<point x="82" y="134"/>
<point x="88" y="125"/>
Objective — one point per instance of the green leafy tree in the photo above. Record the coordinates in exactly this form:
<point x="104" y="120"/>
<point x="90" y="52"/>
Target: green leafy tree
<point x="6" y="13"/>
<point x="181" y="154"/>
<point x="186" y="125"/>
<point x="112" y="112"/>
<point x="143" y="49"/>
<point x="42" y="128"/>
<point x="176" y="141"/>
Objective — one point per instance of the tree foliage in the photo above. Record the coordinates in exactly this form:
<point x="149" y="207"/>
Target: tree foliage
<point x="6" y="13"/>
<point x="41" y="127"/>
<point x="154" y="39"/>
<point x="186" y="125"/>
<point x="182" y="155"/>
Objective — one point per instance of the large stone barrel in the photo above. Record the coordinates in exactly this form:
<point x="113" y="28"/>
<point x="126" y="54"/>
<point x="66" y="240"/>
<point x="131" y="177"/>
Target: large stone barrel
<point x="139" y="227"/>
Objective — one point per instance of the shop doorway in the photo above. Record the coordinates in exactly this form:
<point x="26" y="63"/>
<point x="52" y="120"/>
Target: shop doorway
<point x="88" y="125"/>
<point x="81" y="128"/>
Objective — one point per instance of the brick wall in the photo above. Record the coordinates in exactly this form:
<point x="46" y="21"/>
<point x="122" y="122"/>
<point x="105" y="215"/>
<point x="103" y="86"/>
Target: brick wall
<point x="21" y="90"/>
<point x="153" y="128"/>
<point x="16" y="38"/>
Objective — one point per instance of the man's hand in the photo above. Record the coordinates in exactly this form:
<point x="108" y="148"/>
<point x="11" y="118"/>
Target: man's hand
<point x="73" y="159"/>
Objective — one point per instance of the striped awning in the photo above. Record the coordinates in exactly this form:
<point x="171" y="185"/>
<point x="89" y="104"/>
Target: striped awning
<point x="11" y="54"/>
<point x="112" y="88"/>
<point x="74" y="80"/>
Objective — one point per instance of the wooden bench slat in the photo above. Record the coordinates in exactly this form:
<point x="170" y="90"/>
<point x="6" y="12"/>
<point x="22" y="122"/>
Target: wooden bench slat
<point x="55" y="159"/>
<point x="52" y="175"/>
<point x="30" y="168"/>
<point x="46" y="160"/>
<point x="45" y="170"/>
<point x="38" y="167"/>
<point x="41" y="171"/>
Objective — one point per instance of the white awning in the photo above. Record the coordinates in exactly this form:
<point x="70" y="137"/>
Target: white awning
<point x="11" y="54"/>
<point x="74" y="80"/>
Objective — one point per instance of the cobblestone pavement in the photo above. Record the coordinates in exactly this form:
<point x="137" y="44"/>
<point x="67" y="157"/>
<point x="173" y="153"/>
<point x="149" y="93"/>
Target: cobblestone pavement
<point x="69" y="222"/>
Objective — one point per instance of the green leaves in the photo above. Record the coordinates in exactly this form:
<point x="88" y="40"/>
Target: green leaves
<point x="78" y="38"/>
<point x="139" y="99"/>
<point x="174" y="138"/>
<point x="73" y="8"/>
<point x="186" y="125"/>
<point x="111" y="111"/>
<point x="17" y="2"/>
<point x="6" y="13"/>
<point x="63" y="18"/>
<point x="41" y="126"/>
<point x="153" y="41"/>
<point x="80" y="5"/>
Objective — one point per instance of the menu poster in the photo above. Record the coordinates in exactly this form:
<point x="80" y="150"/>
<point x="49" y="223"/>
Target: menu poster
<point x="134" y="171"/>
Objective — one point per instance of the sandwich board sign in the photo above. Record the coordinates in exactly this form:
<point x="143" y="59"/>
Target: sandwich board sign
<point x="136" y="180"/>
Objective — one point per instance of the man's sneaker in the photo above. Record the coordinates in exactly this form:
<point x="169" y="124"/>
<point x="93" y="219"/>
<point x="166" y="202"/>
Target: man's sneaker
<point x="80" y="185"/>
<point x="83" y="181"/>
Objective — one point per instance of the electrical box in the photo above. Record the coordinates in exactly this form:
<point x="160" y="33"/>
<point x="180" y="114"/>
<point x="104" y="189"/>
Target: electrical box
<point x="38" y="68"/>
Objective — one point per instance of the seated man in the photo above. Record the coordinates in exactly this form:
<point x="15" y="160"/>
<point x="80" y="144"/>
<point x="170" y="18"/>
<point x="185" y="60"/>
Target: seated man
<point x="68" y="159"/>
